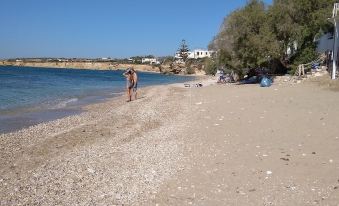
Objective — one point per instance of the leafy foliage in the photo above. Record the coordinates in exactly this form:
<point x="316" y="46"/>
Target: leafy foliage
<point x="258" y="35"/>
<point x="210" y="66"/>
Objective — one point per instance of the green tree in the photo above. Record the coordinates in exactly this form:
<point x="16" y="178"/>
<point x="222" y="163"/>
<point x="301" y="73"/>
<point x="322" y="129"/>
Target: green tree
<point x="183" y="50"/>
<point x="259" y="35"/>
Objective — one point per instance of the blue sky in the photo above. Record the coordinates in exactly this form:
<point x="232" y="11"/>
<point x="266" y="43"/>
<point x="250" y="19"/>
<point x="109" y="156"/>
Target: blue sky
<point x="108" y="28"/>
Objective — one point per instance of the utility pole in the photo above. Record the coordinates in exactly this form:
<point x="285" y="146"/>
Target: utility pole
<point x="335" y="20"/>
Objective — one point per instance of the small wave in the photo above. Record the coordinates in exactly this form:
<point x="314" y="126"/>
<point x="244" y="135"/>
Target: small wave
<point x="117" y="93"/>
<point x="64" y="103"/>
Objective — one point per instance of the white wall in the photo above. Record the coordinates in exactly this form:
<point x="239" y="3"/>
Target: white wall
<point x="325" y="43"/>
<point x="199" y="53"/>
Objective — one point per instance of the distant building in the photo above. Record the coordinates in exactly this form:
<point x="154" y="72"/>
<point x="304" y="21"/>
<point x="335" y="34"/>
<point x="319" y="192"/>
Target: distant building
<point x="196" y="54"/>
<point x="149" y="61"/>
<point x="199" y="53"/>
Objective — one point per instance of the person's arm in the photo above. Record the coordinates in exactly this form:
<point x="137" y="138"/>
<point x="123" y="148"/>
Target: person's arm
<point x="135" y="78"/>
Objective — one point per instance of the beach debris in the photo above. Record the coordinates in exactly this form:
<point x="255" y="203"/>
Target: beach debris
<point x="198" y="103"/>
<point x="198" y="84"/>
<point x="285" y="159"/>
<point x="264" y="155"/>
<point x="304" y="155"/>
<point x="216" y="124"/>
<point x="269" y="172"/>
<point x="313" y="152"/>
<point x="331" y="161"/>
<point x="265" y="82"/>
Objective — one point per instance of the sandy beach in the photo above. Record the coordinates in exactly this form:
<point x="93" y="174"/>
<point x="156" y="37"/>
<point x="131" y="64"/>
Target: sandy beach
<point x="214" y="145"/>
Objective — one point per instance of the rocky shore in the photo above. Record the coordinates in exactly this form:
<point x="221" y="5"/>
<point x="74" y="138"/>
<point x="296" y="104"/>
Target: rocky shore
<point x="83" y="65"/>
<point x="115" y="153"/>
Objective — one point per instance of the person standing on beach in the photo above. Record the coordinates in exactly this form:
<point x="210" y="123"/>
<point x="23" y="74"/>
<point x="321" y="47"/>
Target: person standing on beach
<point x="129" y="83"/>
<point x="132" y="83"/>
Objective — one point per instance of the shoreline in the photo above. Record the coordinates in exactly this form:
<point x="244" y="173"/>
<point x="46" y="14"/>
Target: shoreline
<point x="122" y="139"/>
<point x="24" y="116"/>
<point x="83" y="65"/>
<point x="97" y="67"/>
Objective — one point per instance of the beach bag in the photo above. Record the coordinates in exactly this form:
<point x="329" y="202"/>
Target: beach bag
<point x="265" y="82"/>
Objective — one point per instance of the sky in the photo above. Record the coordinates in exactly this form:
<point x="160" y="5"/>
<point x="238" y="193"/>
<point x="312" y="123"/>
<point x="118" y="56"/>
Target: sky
<point x="108" y="28"/>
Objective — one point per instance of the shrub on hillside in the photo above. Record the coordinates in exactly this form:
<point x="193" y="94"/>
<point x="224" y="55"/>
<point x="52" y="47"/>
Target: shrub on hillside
<point x="190" y="70"/>
<point x="210" y="67"/>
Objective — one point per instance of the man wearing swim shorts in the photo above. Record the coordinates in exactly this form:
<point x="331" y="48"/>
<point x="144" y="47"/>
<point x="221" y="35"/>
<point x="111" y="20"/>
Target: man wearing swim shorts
<point x="131" y="83"/>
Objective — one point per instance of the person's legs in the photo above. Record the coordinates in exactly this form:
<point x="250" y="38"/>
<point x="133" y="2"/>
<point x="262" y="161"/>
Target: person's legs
<point x="129" y="95"/>
<point x="135" y="91"/>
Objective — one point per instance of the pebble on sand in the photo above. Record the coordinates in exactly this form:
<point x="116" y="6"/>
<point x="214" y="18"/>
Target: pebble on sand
<point x="268" y="172"/>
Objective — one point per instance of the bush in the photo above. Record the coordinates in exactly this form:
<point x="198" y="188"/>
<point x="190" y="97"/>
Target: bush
<point x="190" y="70"/>
<point x="305" y="56"/>
<point x="210" y="67"/>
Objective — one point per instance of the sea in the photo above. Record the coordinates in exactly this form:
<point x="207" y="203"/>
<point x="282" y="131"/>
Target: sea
<point x="29" y="95"/>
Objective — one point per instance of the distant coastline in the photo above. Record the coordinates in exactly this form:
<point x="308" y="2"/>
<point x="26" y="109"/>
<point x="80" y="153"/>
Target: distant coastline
<point x="82" y="65"/>
<point x="108" y="65"/>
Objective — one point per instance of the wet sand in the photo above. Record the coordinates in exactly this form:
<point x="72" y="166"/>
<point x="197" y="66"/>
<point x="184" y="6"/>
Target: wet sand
<point x="215" y="145"/>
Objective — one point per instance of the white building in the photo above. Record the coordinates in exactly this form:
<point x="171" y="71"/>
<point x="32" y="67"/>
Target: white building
<point x="325" y="43"/>
<point x="196" y="54"/>
<point x="149" y="60"/>
<point x="199" y="53"/>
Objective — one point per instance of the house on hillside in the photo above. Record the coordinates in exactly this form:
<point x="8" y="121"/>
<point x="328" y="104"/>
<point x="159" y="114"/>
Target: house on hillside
<point x="196" y="54"/>
<point x="199" y="53"/>
<point x="149" y="61"/>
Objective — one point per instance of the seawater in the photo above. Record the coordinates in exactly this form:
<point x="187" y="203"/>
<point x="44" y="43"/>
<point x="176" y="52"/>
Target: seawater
<point x="32" y="95"/>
